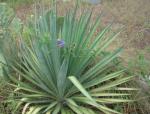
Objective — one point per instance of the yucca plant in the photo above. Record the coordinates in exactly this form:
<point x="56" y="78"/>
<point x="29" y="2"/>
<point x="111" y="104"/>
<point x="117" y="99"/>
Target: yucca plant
<point x="65" y="73"/>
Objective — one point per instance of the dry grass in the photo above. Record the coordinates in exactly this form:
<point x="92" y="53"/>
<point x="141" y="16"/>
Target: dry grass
<point x="134" y="15"/>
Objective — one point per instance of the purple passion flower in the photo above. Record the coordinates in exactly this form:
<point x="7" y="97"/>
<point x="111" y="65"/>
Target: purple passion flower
<point x="60" y="43"/>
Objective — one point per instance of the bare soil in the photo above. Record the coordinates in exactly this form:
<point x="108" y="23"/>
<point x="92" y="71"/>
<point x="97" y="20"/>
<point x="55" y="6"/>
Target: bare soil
<point x="133" y="15"/>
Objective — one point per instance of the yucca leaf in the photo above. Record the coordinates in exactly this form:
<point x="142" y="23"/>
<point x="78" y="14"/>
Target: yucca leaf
<point x="99" y="37"/>
<point x="80" y="87"/>
<point x="57" y="109"/>
<point x="25" y="108"/>
<point x="72" y="102"/>
<point x="99" y="65"/>
<point x="85" y="110"/>
<point x="50" y="106"/>
<point x="105" y="109"/>
<point x="100" y="79"/>
<point x="109" y="94"/>
<point x="113" y="84"/>
<point x="106" y="44"/>
<point x="37" y="110"/>
<point x="49" y="112"/>
<point x="63" y="111"/>
<point x="75" y="109"/>
<point x="90" y="111"/>
<point x="126" y="89"/>
<point x="62" y="75"/>
<point x="112" y="100"/>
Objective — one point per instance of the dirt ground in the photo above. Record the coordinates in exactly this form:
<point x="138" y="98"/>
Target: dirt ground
<point x="132" y="15"/>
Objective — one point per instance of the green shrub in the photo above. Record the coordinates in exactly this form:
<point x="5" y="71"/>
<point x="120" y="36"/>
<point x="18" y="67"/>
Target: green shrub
<point x="65" y="74"/>
<point x="140" y="65"/>
<point x="10" y="27"/>
<point x="6" y="92"/>
<point x="15" y="3"/>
